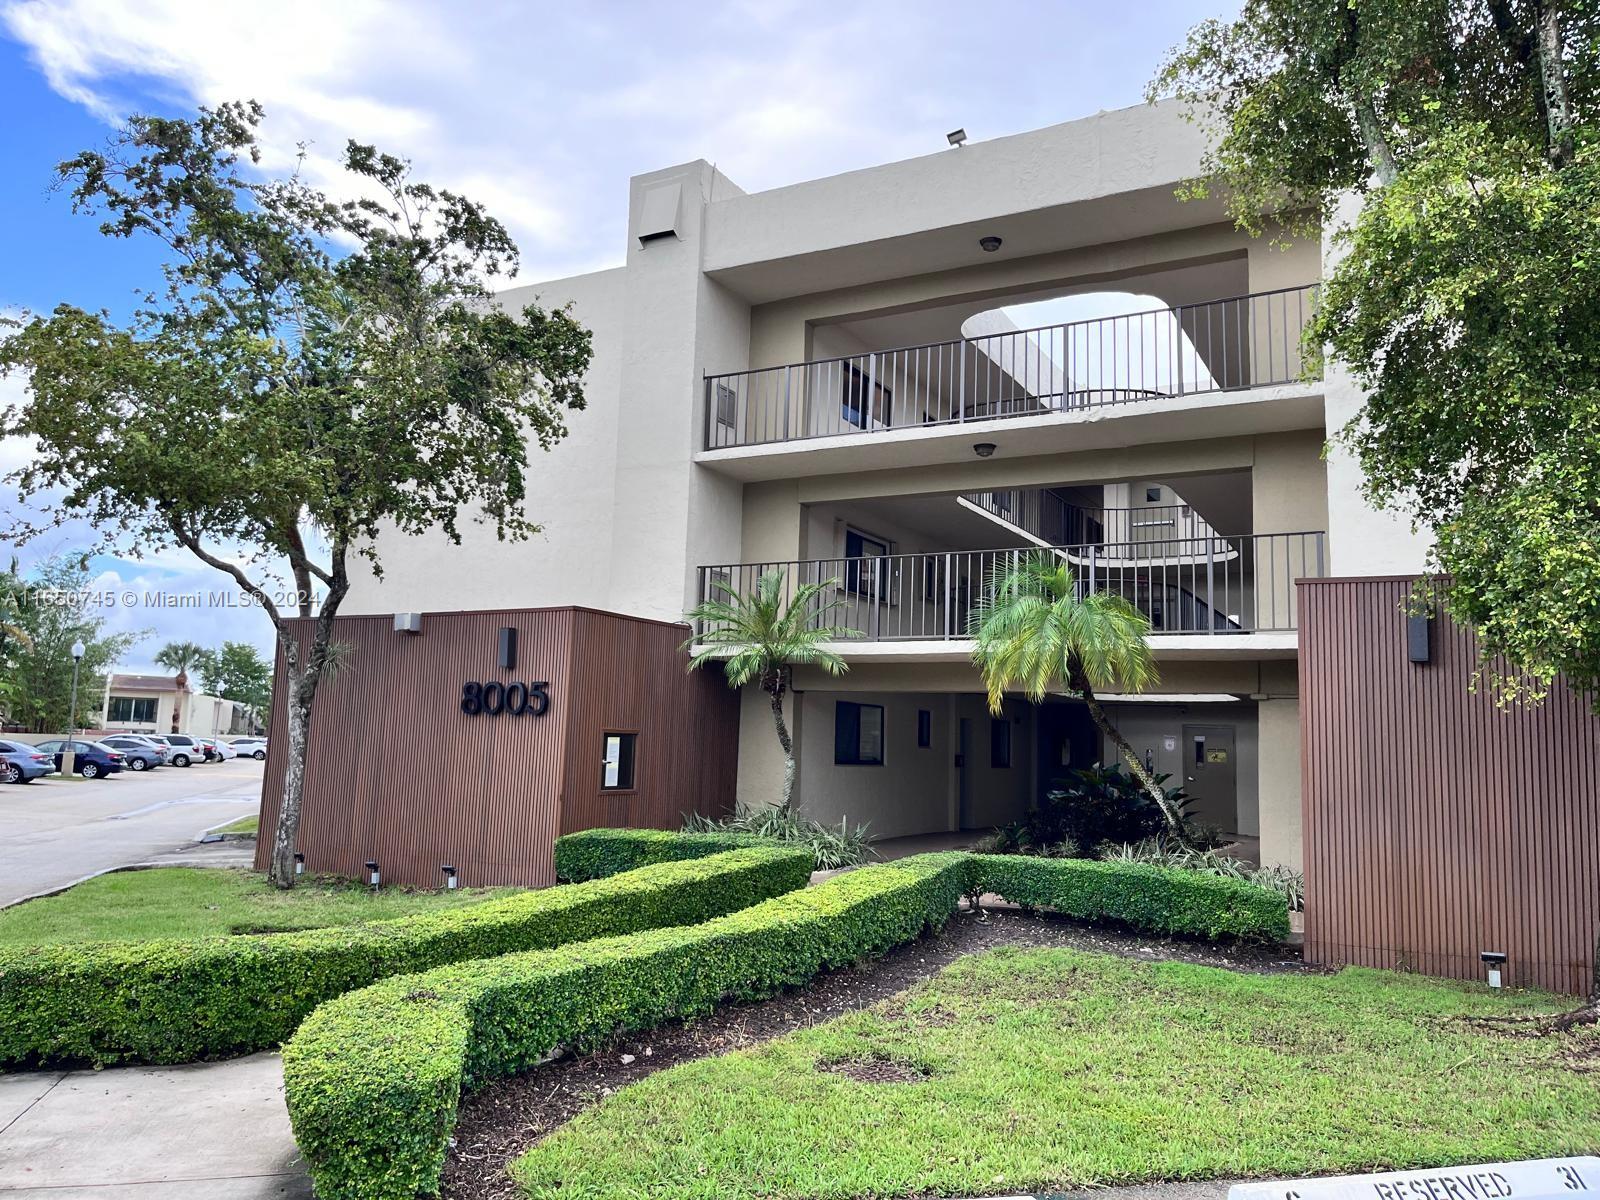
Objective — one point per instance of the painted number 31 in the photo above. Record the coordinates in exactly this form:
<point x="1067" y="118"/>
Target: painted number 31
<point x="495" y="698"/>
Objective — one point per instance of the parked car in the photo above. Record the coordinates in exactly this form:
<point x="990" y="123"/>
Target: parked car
<point x="22" y="763"/>
<point x="213" y="749"/>
<point x="185" y="749"/>
<point x="92" y="760"/>
<point x="224" y="749"/>
<point x="251" y="747"/>
<point x="138" y="753"/>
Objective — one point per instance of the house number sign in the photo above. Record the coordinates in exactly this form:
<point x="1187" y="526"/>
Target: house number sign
<point x="493" y="698"/>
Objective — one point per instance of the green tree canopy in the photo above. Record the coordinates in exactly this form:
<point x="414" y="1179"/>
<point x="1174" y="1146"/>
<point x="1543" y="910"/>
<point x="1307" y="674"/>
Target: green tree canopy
<point x="50" y="613"/>
<point x="311" y="371"/>
<point x="236" y="671"/>
<point x="1467" y="300"/>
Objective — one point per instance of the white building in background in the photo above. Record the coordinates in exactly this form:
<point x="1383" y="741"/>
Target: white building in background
<point x="898" y="377"/>
<point x="156" y="704"/>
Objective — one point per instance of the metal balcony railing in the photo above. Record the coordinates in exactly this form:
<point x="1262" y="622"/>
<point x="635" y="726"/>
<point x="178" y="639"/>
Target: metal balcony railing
<point x="1217" y="586"/>
<point x="1219" y="345"/>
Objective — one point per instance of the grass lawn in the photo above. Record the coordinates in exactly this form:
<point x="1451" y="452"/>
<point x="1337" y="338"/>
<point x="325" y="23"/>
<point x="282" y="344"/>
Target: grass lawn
<point x="250" y="824"/>
<point x="200" y="902"/>
<point x="1035" y="1069"/>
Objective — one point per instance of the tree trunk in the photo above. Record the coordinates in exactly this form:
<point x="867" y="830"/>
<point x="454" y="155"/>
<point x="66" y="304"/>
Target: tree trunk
<point x="1097" y="714"/>
<point x="298" y="706"/>
<point x="775" y="689"/>
<point x="1553" y="80"/>
<point x="1377" y="142"/>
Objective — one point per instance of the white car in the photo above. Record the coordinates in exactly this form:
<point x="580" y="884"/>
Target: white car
<point x="223" y="751"/>
<point x="250" y="747"/>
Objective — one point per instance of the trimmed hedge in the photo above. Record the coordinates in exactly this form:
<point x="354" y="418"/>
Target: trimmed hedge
<point x="175" y="1001"/>
<point x="597" y="853"/>
<point x="372" y="1079"/>
<point x="1164" y="900"/>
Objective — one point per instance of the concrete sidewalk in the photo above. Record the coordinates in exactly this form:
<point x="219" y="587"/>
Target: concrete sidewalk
<point x="212" y="1131"/>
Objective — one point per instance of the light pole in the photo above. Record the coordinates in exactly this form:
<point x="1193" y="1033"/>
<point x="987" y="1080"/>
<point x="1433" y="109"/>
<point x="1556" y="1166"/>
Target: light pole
<point x="67" y="752"/>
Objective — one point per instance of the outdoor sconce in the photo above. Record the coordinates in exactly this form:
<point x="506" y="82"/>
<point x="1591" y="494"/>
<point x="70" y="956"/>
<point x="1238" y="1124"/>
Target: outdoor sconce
<point x="983" y="449"/>
<point x="1419" y="637"/>
<point x="1494" y="960"/>
<point x="372" y="873"/>
<point x="449" y="877"/>
<point x="299" y="864"/>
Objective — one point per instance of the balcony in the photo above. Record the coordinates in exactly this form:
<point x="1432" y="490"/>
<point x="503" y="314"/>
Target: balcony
<point x="1082" y="367"/>
<point x="1211" y="588"/>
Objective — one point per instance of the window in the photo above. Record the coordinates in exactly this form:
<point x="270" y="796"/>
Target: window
<point x="617" y="770"/>
<point x="125" y="710"/>
<point x="857" y="734"/>
<point x="727" y="405"/>
<point x="1152" y="495"/>
<point x="862" y="578"/>
<point x="864" y="402"/>
<point x="1000" y="742"/>
<point x="924" y="729"/>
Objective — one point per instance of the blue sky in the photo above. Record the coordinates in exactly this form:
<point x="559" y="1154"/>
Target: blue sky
<point x="540" y="110"/>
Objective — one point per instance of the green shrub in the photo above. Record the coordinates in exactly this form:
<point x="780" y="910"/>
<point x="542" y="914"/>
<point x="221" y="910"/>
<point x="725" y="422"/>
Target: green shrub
<point x="1286" y="881"/>
<point x="177" y="1001"/>
<point x="597" y="853"/>
<point x="1151" y="899"/>
<point x="831" y="846"/>
<point x="373" y="1078"/>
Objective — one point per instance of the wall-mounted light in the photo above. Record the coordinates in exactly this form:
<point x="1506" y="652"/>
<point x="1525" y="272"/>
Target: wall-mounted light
<point x="1419" y="637"/>
<point x="299" y="864"/>
<point x="1495" y="961"/>
<point x="956" y="136"/>
<point x="990" y="243"/>
<point x="983" y="449"/>
<point x="449" y="877"/>
<point x="508" y="649"/>
<point x="372" y="873"/>
<point x="408" y="622"/>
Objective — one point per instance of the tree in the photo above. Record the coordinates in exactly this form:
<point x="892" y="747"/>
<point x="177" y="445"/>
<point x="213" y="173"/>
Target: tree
<point x="311" y="373"/>
<point x="178" y="657"/>
<point x="53" y="613"/>
<point x="13" y="637"/>
<point x="1467" y="300"/>
<point x="236" y="671"/>
<point x="1036" y="629"/>
<point x="763" y="636"/>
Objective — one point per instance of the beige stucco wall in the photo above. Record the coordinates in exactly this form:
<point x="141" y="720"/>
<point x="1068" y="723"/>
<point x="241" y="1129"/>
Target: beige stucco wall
<point x="1147" y="726"/>
<point x="1279" y="788"/>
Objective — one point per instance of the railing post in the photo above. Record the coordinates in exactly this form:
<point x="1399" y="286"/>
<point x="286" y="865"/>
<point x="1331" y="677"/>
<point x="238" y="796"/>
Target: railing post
<point x="1211" y="586"/>
<point x="961" y="383"/>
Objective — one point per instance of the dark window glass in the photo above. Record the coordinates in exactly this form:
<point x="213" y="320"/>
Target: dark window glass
<point x="132" y="708"/>
<point x="1000" y="742"/>
<point x="863" y="578"/>
<point x="857" y="734"/>
<point x="1152" y="495"/>
<point x="617" y="767"/>
<point x="924" y="728"/>
<point x="863" y="403"/>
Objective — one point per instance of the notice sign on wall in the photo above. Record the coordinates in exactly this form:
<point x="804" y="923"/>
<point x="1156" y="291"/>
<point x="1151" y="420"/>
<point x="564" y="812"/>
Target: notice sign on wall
<point x="1542" y="1179"/>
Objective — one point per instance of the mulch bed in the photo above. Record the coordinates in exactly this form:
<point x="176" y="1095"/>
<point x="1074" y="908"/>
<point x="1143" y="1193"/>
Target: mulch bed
<point x="501" y="1120"/>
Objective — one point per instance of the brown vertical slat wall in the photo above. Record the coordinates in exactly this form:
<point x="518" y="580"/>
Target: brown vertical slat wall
<point x="1437" y="825"/>
<point x="634" y="677"/>
<point x="396" y="772"/>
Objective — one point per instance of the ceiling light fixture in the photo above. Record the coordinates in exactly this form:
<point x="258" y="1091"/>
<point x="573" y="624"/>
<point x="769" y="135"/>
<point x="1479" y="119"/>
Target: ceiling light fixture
<point x="983" y="449"/>
<point x="990" y="244"/>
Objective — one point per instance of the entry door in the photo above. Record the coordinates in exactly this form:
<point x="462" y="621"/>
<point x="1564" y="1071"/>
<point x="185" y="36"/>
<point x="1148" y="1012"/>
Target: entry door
<point x="964" y="773"/>
<point x="1210" y="775"/>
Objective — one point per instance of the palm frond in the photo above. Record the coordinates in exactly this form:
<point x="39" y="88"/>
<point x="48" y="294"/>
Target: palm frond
<point x="773" y="626"/>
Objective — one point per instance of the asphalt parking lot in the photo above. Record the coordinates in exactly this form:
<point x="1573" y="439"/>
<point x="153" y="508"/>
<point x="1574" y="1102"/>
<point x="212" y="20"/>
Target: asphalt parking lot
<point x="56" y="831"/>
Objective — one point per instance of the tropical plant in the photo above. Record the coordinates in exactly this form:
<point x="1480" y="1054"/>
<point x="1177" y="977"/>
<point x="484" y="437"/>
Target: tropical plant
<point x="763" y="635"/>
<point x="1037" y="628"/>
<point x="1088" y="808"/>
<point x="308" y="374"/>
<point x="1157" y="852"/>
<point x="178" y="657"/>
<point x="831" y="846"/>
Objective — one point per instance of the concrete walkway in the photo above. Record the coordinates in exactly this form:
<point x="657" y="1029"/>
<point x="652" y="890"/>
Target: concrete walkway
<point x="214" y="1131"/>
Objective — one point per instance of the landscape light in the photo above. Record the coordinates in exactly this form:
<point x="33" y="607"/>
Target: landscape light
<point x="372" y="873"/>
<point x="1495" y="960"/>
<point x="449" y="877"/>
<point x="299" y="864"/>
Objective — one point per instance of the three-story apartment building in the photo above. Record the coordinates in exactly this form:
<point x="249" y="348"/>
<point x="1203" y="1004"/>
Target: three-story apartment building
<point x="901" y="377"/>
<point x="894" y="381"/>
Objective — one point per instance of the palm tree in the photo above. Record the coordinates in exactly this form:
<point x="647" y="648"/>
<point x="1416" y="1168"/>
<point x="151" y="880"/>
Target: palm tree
<point x="1036" y="628"/>
<point x="761" y="636"/>
<point x="178" y="657"/>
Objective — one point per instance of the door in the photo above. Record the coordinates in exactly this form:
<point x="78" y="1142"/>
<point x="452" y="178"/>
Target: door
<point x="1210" y="775"/>
<point x="963" y="775"/>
